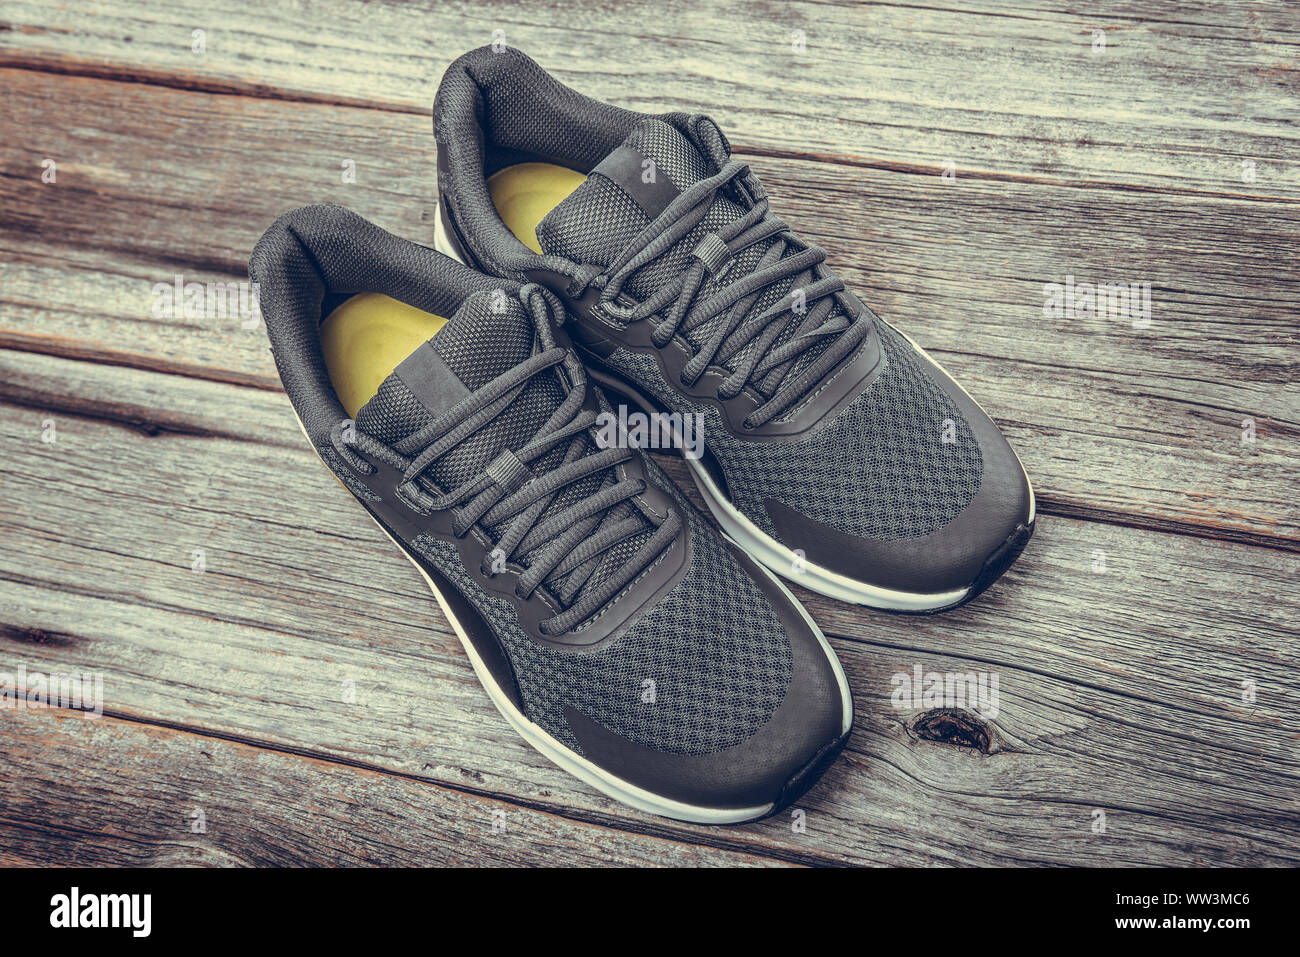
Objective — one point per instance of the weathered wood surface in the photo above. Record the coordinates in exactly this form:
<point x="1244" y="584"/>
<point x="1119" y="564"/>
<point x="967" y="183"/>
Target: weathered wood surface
<point x="1131" y="704"/>
<point x="1136" y="426"/>
<point x="1178" y="98"/>
<point x="127" y="793"/>
<point x="1121" y="649"/>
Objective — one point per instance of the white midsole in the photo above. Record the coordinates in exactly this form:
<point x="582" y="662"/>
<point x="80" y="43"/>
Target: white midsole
<point x="770" y="552"/>
<point x="782" y="560"/>
<point x="576" y="764"/>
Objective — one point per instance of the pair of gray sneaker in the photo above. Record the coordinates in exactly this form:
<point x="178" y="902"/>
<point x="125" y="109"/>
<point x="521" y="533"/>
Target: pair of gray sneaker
<point x="605" y="279"/>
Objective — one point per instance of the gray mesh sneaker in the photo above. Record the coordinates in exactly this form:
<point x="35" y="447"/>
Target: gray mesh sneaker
<point x="837" y="453"/>
<point x="614" y="628"/>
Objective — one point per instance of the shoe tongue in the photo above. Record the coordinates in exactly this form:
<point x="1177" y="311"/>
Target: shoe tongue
<point x="487" y="336"/>
<point x="626" y="190"/>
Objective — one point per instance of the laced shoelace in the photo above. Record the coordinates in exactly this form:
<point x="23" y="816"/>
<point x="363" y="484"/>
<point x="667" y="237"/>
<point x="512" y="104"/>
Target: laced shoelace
<point x="563" y="549"/>
<point x="813" y="293"/>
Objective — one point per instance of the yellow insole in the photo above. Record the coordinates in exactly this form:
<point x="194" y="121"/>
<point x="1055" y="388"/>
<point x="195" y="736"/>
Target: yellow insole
<point x="365" y="338"/>
<point x="523" y="194"/>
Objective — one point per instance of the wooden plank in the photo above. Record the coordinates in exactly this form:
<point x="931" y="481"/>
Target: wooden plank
<point x="1120" y="688"/>
<point x="125" y="794"/>
<point x="1140" y="426"/>
<point x="997" y="90"/>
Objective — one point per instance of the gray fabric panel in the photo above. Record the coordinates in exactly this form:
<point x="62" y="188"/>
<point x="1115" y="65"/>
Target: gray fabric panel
<point x="715" y="649"/>
<point x="880" y="469"/>
<point x="315" y="251"/>
<point x="496" y="107"/>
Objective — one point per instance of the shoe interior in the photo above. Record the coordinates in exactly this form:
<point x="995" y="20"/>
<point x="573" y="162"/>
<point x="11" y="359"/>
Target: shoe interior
<point x="525" y="192"/>
<point x="511" y="135"/>
<point x="365" y="338"/>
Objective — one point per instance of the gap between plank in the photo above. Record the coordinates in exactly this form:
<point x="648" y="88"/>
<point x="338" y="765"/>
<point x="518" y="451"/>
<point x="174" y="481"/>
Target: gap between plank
<point x="597" y="819"/>
<point x="197" y="84"/>
<point x="1047" y="502"/>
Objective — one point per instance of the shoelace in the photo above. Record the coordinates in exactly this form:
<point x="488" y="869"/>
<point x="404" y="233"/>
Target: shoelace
<point x="813" y="293"/>
<point x="571" y="541"/>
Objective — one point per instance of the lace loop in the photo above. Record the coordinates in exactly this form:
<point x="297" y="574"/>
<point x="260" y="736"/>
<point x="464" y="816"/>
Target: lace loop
<point x="341" y="437"/>
<point x="507" y="472"/>
<point x="713" y="254"/>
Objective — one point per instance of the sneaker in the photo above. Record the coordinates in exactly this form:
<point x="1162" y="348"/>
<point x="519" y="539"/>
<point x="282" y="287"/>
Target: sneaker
<point x="837" y="453"/>
<point x="614" y="628"/>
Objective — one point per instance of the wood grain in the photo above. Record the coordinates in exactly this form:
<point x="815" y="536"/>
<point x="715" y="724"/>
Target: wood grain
<point x="1121" y="653"/>
<point x="266" y="652"/>
<point x="1137" y="426"/>
<point x="83" y="792"/>
<point x="1180" y="95"/>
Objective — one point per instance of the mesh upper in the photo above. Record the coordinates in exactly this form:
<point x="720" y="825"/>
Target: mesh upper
<point x="713" y="646"/>
<point x="595" y="222"/>
<point x="880" y="469"/>
<point x="485" y="338"/>
<point x="721" y="663"/>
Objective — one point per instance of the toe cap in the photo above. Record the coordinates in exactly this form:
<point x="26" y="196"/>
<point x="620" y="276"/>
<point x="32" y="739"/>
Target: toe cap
<point x="776" y="764"/>
<point x="968" y="552"/>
